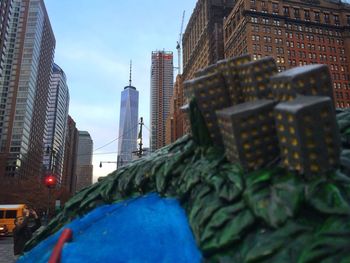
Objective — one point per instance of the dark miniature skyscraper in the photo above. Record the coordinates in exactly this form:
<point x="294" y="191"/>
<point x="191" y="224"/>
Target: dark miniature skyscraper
<point x="229" y="70"/>
<point x="212" y="95"/>
<point x="249" y="133"/>
<point x="255" y="78"/>
<point x="308" y="134"/>
<point x="312" y="80"/>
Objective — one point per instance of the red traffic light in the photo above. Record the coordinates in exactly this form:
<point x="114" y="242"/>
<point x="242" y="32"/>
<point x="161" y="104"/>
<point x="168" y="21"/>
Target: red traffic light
<point x="50" y="180"/>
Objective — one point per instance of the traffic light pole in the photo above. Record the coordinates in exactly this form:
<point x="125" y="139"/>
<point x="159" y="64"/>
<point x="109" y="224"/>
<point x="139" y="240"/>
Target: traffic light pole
<point x="48" y="206"/>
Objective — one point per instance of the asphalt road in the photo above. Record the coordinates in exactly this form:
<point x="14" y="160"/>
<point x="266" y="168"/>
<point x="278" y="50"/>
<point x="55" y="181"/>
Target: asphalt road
<point x="6" y="250"/>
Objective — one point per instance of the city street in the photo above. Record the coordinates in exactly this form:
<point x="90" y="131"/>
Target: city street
<point x="6" y="250"/>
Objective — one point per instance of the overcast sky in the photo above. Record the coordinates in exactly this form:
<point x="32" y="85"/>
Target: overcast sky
<point x="95" y="40"/>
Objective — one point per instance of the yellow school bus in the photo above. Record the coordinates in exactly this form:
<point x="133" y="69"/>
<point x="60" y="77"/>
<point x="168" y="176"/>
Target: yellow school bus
<point x="8" y="213"/>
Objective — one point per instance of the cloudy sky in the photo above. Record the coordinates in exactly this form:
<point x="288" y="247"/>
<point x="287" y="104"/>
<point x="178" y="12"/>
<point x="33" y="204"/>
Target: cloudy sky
<point x="95" y="41"/>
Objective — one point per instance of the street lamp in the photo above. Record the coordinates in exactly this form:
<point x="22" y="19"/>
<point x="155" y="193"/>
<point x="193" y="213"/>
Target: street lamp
<point x="107" y="162"/>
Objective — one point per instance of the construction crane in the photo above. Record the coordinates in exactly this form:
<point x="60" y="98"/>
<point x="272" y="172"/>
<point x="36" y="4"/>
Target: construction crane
<point x="178" y="46"/>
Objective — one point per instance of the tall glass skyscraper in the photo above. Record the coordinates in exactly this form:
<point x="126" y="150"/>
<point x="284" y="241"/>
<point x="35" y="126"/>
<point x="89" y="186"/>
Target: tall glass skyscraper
<point x="24" y="87"/>
<point x="162" y="82"/>
<point x="56" y="122"/>
<point x="128" y="124"/>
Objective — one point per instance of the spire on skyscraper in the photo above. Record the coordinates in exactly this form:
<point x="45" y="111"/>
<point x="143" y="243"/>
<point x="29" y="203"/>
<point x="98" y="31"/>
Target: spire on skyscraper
<point x="130" y="72"/>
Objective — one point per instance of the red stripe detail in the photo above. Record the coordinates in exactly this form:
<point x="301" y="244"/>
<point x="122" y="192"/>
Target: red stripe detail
<point x="65" y="236"/>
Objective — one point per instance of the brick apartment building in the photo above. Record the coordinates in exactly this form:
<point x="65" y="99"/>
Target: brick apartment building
<point x="294" y="33"/>
<point x="202" y="42"/>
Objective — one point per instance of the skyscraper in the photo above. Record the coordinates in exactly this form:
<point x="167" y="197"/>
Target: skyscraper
<point x="70" y="157"/>
<point x="56" y="122"/>
<point x="84" y="160"/>
<point x="128" y="121"/>
<point x="24" y="85"/>
<point x="162" y="81"/>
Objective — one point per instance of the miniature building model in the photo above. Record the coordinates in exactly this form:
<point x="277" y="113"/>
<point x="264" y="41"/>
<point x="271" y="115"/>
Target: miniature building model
<point x="211" y="95"/>
<point x="228" y="69"/>
<point x="249" y="133"/>
<point x="305" y="125"/>
<point x="308" y="134"/>
<point x="255" y="78"/>
<point x="307" y="80"/>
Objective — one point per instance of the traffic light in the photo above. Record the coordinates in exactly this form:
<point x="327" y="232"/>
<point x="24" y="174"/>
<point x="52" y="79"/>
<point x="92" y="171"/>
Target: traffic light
<point x="50" y="181"/>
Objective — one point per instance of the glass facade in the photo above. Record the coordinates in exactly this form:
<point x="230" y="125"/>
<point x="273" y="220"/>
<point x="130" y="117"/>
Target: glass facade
<point x="56" y="122"/>
<point x="128" y="124"/>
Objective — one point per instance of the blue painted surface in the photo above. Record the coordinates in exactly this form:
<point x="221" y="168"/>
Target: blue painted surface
<point x="144" y="229"/>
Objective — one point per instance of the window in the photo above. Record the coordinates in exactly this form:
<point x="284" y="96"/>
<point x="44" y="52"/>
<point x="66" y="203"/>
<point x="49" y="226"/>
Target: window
<point x="255" y="37"/>
<point x="336" y="20"/>
<point x="286" y="10"/>
<point x="11" y="214"/>
<point x="326" y="18"/>
<point x="317" y="17"/>
<point x="276" y="22"/>
<point x="296" y="13"/>
<point x="275" y="8"/>
<point x="307" y="15"/>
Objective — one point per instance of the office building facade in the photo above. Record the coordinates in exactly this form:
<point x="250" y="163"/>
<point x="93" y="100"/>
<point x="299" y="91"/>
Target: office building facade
<point x="162" y="81"/>
<point x="24" y="88"/>
<point x="56" y="123"/>
<point x="128" y="124"/>
<point x="69" y="173"/>
<point x="84" y="160"/>
<point x="295" y="33"/>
